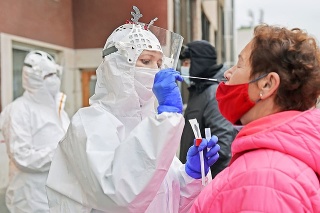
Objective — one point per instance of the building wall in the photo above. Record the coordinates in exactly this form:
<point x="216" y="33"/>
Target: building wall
<point x="229" y="31"/>
<point x="76" y="24"/>
<point x="191" y="26"/>
<point x="94" y="20"/>
<point x="43" y="20"/>
<point x="243" y="37"/>
<point x="196" y="20"/>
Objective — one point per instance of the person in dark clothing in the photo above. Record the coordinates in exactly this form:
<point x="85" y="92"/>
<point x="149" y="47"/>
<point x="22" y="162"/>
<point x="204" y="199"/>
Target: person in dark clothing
<point x="202" y="104"/>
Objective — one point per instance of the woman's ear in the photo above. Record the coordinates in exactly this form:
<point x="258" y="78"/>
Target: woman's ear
<point x="269" y="85"/>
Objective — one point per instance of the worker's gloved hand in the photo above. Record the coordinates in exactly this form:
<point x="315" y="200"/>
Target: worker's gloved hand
<point x="167" y="91"/>
<point x="192" y="166"/>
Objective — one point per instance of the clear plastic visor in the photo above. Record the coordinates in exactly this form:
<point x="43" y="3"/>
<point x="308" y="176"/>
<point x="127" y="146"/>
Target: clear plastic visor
<point x="171" y="45"/>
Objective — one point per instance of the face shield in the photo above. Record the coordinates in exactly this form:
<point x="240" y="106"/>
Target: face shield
<point x="171" y="45"/>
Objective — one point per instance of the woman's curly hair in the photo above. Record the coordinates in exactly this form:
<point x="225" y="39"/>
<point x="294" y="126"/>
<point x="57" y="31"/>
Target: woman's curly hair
<point x="295" y="56"/>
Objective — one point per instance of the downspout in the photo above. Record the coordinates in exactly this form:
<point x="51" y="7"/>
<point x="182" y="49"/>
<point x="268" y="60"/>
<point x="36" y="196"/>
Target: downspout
<point x="177" y="16"/>
<point x="188" y="38"/>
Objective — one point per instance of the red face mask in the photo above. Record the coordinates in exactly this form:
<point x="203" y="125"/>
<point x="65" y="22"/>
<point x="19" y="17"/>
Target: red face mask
<point x="234" y="101"/>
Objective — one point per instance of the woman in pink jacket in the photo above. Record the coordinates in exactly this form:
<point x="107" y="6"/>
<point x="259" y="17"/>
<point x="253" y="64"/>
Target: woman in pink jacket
<point x="272" y="91"/>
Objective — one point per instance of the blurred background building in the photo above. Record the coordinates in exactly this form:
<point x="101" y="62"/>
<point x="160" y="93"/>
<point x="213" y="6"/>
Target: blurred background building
<point x="211" y="20"/>
<point x="74" y="33"/>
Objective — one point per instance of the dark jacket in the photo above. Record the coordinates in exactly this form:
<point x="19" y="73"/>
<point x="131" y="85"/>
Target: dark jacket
<point x="203" y="106"/>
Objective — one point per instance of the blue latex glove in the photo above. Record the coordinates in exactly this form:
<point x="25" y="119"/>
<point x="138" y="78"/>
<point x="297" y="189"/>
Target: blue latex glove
<point x="192" y="166"/>
<point x="167" y="91"/>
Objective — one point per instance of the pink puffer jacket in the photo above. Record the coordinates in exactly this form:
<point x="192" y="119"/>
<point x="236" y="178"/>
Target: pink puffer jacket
<point x="274" y="168"/>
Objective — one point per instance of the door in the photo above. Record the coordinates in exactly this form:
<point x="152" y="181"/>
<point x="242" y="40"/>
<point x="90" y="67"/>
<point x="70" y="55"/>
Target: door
<point x="88" y="83"/>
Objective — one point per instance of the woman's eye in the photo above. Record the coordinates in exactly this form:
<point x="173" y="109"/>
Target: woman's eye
<point x="145" y="61"/>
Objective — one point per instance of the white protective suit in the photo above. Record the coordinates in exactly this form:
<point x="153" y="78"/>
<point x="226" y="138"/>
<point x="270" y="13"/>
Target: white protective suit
<point x="118" y="154"/>
<point x="32" y="126"/>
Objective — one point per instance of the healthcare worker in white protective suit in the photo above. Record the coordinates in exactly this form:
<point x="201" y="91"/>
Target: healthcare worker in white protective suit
<point x="32" y="126"/>
<point x="119" y="154"/>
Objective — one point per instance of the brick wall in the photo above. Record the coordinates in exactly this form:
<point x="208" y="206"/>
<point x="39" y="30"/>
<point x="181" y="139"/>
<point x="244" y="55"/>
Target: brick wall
<point x="75" y="24"/>
<point x="44" y="20"/>
<point x="94" y="20"/>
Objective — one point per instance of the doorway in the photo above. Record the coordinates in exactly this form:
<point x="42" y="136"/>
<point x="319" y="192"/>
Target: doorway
<point x="88" y="83"/>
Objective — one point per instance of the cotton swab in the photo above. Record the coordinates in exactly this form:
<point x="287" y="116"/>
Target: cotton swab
<point x="203" y="176"/>
<point x="209" y="79"/>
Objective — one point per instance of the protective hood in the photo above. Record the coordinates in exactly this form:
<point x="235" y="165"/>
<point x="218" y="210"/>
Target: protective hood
<point x="38" y="66"/>
<point x="203" y="58"/>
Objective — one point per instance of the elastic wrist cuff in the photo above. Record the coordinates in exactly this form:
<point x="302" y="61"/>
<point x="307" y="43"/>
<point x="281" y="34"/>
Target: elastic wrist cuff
<point x="164" y="108"/>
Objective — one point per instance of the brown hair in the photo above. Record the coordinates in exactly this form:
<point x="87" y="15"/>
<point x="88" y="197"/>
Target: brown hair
<point x="295" y="56"/>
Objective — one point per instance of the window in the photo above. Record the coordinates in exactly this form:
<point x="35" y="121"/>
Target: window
<point x="18" y="58"/>
<point x="205" y="27"/>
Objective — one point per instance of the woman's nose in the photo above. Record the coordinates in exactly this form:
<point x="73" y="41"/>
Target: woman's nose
<point x="227" y="74"/>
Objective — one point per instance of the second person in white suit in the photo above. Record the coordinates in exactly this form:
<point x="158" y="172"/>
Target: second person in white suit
<point x="32" y="126"/>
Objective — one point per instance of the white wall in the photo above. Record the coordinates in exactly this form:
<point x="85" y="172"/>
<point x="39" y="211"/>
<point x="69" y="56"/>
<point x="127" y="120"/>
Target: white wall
<point x="243" y="37"/>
